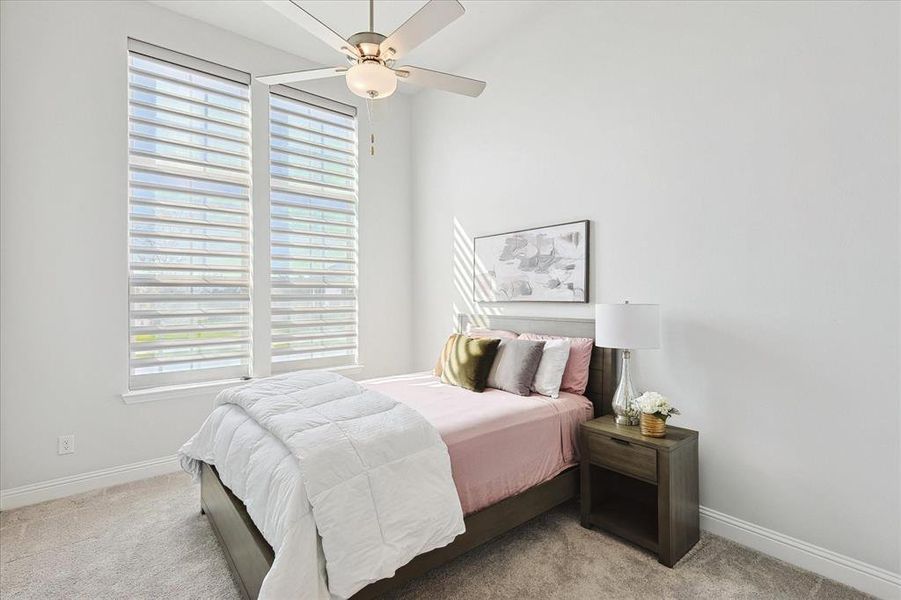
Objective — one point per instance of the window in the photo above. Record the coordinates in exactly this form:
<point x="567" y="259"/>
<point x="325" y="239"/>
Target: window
<point x="191" y="300"/>
<point x="189" y="219"/>
<point x="313" y="227"/>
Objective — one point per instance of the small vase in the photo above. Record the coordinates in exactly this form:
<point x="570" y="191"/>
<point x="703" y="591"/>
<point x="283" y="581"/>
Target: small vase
<point x="652" y="426"/>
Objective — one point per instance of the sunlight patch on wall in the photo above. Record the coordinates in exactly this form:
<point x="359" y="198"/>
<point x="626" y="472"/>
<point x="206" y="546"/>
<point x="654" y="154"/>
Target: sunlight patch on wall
<point x="463" y="302"/>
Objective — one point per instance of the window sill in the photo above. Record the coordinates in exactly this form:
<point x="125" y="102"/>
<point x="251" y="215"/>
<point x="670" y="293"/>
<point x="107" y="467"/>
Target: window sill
<point x="180" y="392"/>
<point x="346" y="369"/>
<point x="206" y="389"/>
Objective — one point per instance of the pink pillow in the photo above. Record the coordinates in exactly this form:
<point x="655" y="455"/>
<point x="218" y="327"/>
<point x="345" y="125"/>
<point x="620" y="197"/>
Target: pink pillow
<point x="481" y="332"/>
<point x="575" y="376"/>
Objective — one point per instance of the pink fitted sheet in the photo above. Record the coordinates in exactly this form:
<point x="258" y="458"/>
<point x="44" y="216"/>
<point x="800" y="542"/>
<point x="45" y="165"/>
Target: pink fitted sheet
<point x="500" y="444"/>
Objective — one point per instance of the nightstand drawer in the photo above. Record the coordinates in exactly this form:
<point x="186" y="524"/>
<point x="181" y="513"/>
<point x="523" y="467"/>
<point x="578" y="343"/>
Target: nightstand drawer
<point x="625" y="457"/>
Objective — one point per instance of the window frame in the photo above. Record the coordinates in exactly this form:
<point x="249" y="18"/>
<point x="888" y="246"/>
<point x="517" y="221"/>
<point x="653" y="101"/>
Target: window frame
<point x="139" y="385"/>
<point x="350" y="361"/>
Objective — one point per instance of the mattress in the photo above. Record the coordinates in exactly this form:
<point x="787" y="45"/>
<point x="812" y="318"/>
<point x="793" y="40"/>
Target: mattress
<point x="500" y="444"/>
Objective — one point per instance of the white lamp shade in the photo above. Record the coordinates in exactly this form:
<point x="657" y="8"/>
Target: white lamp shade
<point x="627" y="326"/>
<point x="371" y="80"/>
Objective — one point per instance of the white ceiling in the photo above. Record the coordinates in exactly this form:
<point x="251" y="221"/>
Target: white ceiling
<point x="485" y="23"/>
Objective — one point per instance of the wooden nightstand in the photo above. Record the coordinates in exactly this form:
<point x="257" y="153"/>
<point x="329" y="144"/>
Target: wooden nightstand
<point x="641" y="488"/>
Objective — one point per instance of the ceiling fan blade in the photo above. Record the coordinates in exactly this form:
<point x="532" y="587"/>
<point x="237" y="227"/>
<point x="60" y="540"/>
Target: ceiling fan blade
<point x="302" y="75"/>
<point x="294" y="12"/>
<point x="441" y="81"/>
<point x="426" y="22"/>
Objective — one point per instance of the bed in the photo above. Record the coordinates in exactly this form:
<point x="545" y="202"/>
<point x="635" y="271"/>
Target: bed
<point x="498" y="490"/>
<point x="500" y="444"/>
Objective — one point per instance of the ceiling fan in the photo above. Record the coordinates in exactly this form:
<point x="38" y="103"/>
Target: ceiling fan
<point x="372" y="56"/>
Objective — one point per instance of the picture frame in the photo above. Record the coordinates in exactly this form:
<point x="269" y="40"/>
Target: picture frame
<point x="539" y="264"/>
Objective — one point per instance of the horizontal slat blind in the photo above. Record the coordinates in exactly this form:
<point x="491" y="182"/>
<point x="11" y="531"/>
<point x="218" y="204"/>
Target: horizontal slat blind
<point x="313" y="174"/>
<point x="189" y="221"/>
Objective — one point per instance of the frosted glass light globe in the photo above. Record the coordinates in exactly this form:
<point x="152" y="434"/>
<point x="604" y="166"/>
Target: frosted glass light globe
<point x="371" y="80"/>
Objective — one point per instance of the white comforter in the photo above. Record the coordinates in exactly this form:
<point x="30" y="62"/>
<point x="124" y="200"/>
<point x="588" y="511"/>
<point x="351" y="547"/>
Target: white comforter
<point x="315" y="451"/>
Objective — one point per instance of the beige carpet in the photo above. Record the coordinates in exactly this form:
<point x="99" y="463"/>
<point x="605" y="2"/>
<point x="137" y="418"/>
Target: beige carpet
<point x="148" y="540"/>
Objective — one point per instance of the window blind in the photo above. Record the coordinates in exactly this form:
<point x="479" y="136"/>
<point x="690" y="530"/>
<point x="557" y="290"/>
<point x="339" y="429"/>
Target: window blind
<point x="189" y="219"/>
<point x="313" y="179"/>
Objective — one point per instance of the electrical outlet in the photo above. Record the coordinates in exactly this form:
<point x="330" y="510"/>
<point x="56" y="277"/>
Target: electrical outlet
<point x="66" y="444"/>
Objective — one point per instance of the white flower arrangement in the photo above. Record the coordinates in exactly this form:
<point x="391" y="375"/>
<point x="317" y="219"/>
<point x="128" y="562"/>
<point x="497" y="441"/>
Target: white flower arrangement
<point x="652" y="403"/>
<point x="633" y="411"/>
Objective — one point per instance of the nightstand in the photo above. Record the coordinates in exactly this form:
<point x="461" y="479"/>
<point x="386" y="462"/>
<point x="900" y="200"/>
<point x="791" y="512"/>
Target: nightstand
<point x="641" y="488"/>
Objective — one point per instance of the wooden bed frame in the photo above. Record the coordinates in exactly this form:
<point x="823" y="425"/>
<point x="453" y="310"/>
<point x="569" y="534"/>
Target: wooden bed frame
<point x="249" y="556"/>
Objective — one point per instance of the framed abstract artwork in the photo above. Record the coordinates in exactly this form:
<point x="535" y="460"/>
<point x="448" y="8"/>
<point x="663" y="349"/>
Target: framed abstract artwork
<point x="544" y="264"/>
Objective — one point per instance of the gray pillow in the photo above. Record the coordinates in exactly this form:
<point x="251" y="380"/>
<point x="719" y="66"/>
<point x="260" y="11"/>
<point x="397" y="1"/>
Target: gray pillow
<point x="515" y="365"/>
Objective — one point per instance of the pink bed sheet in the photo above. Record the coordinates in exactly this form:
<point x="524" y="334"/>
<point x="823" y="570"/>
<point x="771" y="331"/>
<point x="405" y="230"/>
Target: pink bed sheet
<point x="500" y="444"/>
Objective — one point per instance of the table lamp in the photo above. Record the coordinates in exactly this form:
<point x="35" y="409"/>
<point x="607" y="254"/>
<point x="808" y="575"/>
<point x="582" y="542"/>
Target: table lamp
<point x="626" y="327"/>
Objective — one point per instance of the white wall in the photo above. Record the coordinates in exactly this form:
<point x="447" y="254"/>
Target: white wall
<point x="63" y="304"/>
<point x="739" y="163"/>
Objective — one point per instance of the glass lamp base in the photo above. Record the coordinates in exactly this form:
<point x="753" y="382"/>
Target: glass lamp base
<point x="624" y="406"/>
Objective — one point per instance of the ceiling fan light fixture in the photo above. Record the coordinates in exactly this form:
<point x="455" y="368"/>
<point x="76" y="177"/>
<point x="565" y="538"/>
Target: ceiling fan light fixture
<point x="373" y="56"/>
<point x="371" y="80"/>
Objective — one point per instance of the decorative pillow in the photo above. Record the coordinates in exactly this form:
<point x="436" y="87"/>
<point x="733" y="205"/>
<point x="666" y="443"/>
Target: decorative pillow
<point x="550" y="370"/>
<point x="575" y="376"/>
<point x="469" y="361"/>
<point x="515" y="365"/>
<point x="482" y="332"/>
<point x="442" y="358"/>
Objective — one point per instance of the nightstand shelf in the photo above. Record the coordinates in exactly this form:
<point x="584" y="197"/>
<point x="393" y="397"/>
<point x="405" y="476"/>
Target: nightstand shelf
<point x="642" y="489"/>
<point x="629" y="520"/>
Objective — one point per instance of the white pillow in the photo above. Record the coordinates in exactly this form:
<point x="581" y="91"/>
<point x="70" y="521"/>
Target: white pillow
<point x="550" y="369"/>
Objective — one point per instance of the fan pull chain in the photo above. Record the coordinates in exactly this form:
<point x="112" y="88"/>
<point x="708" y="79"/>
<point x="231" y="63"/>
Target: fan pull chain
<point x="372" y="128"/>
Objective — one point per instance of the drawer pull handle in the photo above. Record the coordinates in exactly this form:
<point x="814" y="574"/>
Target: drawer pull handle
<point x="619" y="441"/>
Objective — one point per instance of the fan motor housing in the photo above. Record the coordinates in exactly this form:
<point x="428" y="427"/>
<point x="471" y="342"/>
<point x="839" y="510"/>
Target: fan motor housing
<point x="368" y="44"/>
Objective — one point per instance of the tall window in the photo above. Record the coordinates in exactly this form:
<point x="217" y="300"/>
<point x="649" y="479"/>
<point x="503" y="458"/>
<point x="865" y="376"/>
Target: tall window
<point x="313" y="175"/>
<point x="189" y="219"/>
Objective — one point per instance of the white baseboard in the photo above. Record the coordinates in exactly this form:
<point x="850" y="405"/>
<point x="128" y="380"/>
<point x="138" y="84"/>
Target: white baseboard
<point x="76" y="484"/>
<point x="844" y="569"/>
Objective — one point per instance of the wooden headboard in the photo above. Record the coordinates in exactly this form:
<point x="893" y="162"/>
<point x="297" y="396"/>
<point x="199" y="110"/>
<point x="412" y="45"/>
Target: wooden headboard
<point x="601" y="370"/>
